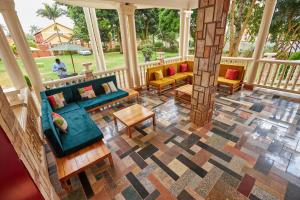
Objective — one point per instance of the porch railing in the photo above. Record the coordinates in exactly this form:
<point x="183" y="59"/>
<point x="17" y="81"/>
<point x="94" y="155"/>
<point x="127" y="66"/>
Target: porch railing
<point x="279" y="74"/>
<point x="276" y="74"/>
<point x="121" y="75"/>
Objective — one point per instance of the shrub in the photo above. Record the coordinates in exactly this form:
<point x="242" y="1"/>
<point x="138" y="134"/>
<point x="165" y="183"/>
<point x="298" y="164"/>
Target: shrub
<point x="159" y="46"/>
<point x="147" y="50"/>
<point x="295" y="56"/>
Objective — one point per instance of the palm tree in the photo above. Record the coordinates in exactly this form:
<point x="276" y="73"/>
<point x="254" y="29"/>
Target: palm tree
<point x="52" y="12"/>
<point x="33" y="29"/>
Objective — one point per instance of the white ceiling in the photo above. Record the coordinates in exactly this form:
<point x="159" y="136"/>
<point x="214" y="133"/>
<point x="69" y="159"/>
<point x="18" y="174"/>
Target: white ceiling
<point x="140" y="4"/>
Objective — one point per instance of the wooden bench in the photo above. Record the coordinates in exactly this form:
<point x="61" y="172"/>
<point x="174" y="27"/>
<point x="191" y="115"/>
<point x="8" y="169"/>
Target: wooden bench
<point x="77" y="162"/>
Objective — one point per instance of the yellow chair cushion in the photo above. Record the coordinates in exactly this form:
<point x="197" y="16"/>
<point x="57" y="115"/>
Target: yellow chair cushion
<point x="178" y="76"/>
<point x="189" y="74"/>
<point x="158" y="75"/>
<point x="162" y="82"/>
<point x="225" y="81"/>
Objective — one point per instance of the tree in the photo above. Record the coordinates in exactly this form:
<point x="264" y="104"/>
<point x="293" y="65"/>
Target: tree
<point x="168" y="26"/>
<point x="285" y="27"/>
<point x="146" y="23"/>
<point x="51" y="12"/>
<point x="241" y="12"/>
<point x="33" y="29"/>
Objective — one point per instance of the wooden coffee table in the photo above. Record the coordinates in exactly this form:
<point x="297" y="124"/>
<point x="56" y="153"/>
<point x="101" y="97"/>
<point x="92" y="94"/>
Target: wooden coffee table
<point x="133" y="115"/>
<point x="78" y="161"/>
<point x="184" y="93"/>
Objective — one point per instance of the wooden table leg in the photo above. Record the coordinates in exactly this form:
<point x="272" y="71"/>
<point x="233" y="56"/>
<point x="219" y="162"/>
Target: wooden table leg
<point x="111" y="162"/>
<point x="115" y="120"/>
<point x="129" y="132"/>
<point x="154" y="120"/>
<point x="65" y="185"/>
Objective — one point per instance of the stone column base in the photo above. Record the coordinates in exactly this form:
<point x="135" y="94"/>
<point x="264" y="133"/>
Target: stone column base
<point x="248" y="86"/>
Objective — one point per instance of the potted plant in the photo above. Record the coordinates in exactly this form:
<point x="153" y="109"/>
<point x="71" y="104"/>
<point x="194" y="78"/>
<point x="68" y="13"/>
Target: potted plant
<point x="147" y="51"/>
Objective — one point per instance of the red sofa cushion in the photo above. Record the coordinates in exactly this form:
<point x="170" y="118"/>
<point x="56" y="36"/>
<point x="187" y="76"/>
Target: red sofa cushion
<point x="171" y="71"/>
<point x="183" y="67"/>
<point x="232" y="74"/>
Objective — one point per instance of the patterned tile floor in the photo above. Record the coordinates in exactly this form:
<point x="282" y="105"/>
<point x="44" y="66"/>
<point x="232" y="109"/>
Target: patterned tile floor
<point x="250" y="151"/>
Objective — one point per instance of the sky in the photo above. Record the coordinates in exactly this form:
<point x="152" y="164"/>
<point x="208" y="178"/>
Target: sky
<point x="26" y="10"/>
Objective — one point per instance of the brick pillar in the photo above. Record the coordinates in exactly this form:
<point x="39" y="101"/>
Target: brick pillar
<point x="211" y="24"/>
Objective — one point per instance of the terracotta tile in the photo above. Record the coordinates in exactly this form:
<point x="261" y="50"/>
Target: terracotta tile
<point x="246" y="185"/>
<point x="164" y="193"/>
<point x="240" y="154"/>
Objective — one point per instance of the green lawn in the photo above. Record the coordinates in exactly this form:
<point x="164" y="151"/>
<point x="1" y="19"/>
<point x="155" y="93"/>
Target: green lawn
<point x="113" y="60"/>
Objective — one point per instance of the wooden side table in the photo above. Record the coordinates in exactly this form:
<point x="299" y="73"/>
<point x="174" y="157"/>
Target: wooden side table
<point x="133" y="115"/>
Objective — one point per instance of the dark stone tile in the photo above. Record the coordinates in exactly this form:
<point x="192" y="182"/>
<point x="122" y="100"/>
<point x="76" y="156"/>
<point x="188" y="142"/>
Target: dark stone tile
<point x="138" y="160"/>
<point x="137" y="185"/>
<point x="224" y="168"/>
<point x="225" y="135"/>
<point x="165" y="168"/>
<point x="183" y="147"/>
<point x="87" y="188"/>
<point x="153" y="195"/>
<point x="147" y="151"/>
<point x="292" y="192"/>
<point x="123" y="155"/>
<point x="275" y="147"/>
<point x="190" y="140"/>
<point x="140" y="130"/>
<point x="178" y="132"/>
<point x="263" y="164"/>
<point x="257" y="107"/>
<point x="184" y="195"/>
<point x="253" y="197"/>
<point x="214" y="151"/>
<point x="170" y="138"/>
<point x="130" y="194"/>
<point x="223" y="126"/>
<point x="246" y="185"/>
<point x="190" y="164"/>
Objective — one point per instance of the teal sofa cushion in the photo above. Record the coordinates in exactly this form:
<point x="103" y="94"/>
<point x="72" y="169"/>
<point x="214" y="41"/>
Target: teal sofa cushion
<point x="67" y="108"/>
<point x="102" y="99"/>
<point x="82" y="131"/>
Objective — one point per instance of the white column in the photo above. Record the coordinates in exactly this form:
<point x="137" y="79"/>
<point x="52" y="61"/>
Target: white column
<point x="181" y="32"/>
<point x="125" y="42"/>
<point x="187" y="27"/>
<point x="132" y="46"/>
<point x="92" y="37"/>
<point x="10" y="63"/>
<point x="98" y="38"/>
<point x="15" y="28"/>
<point x="261" y="39"/>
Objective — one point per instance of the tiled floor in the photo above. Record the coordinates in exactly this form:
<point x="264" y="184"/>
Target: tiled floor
<point x="250" y="151"/>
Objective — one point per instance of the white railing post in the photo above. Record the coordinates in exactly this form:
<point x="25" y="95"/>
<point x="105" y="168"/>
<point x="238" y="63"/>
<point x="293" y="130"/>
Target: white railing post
<point x="261" y="40"/>
<point x="10" y="63"/>
<point x="15" y="28"/>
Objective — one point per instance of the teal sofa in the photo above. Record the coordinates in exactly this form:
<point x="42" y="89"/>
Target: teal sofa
<point x="82" y="130"/>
